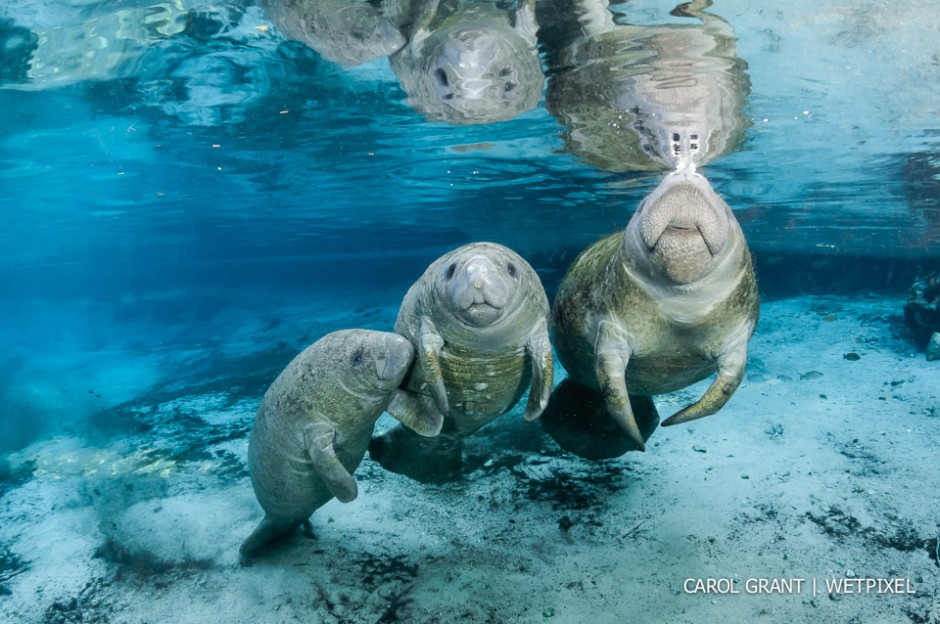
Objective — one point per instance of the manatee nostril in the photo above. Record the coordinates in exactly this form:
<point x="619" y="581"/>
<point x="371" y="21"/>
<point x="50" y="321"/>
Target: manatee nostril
<point x="358" y="359"/>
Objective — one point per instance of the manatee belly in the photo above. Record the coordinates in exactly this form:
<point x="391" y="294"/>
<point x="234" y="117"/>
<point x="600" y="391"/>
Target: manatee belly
<point x="479" y="388"/>
<point x="282" y="473"/>
<point x="660" y="374"/>
<point x="653" y="373"/>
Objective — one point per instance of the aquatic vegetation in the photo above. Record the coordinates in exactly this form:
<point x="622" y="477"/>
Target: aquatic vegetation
<point x="132" y="563"/>
<point x="10" y="567"/>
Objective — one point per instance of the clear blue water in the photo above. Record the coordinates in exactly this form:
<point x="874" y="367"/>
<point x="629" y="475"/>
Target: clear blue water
<point x="161" y="197"/>
<point x="188" y="199"/>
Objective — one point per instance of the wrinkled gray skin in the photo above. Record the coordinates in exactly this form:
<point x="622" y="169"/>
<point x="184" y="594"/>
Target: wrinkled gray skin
<point x="478" y="318"/>
<point x="471" y="62"/>
<point x="645" y="98"/>
<point x="314" y="424"/>
<point x="348" y="32"/>
<point x="666" y="303"/>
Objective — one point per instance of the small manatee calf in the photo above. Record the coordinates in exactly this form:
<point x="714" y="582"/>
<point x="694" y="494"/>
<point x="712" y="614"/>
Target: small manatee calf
<point x="665" y="304"/>
<point x="314" y="424"/>
<point x="478" y="318"/>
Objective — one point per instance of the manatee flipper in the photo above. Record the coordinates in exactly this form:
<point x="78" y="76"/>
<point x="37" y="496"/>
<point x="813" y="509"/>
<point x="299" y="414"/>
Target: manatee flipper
<point x="611" y="359"/>
<point x="692" y="9"/>
<point x="427" y="460"/>
<point x="421" y="26"/>
<point x="429" y="357"/>
<point x="731" y="365"/>
<point x="523" y="20"/>
<point x="578" y="420"/>
<point x="417" y="412"/>
<point x="318" y="440"/>
<point x="539" y="351"/>
<point x="268" y="531"/>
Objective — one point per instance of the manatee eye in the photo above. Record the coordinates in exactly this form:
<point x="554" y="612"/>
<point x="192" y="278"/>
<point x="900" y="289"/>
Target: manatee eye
<point x="451" y="270"/>
<point x="511" y="269"/>
<point x="441" y="76"/>
<point x="358" y="359"/>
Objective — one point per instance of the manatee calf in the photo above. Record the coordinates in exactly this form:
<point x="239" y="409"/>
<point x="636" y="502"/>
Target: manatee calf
<point x="662" y="305"/>
<point x="314" y="424"/>
<point x="478" y="318"/>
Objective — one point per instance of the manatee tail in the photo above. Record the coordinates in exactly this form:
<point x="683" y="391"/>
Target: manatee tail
<point x="428" y="460"/>
<point x="268" y="531"/>
<point x="578" y="420"/>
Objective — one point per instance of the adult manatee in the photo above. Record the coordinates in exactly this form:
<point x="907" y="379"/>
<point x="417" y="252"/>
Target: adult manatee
<point x="666" y="303"/>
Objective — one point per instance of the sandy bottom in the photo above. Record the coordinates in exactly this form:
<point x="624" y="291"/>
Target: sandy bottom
<point x="823" y="466"/>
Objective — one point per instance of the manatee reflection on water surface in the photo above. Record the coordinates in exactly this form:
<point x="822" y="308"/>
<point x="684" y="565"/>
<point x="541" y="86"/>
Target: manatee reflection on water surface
<point x="645" y="97"/>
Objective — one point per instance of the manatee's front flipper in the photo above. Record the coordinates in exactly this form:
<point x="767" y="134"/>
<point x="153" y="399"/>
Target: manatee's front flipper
<point x="430" y="345"/>
<point x="318" y="439"/>
<point x="417" y="412"/>
<point x="611" y="356"/>
<point x="428" y="460"/>
<point x="691" y="9"/>
<point x="523" y="20"/>
<point x="268" y="531"/>
<point x="539" y="350"/>
<point x="731" y="366"/>
<point x="578" y="421"/>
<point x="421" y="26"/>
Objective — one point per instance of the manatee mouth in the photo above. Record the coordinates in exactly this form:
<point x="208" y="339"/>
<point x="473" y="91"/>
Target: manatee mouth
<point x="688" y="235"/>
<point x="478" y="307"/>
<point x="483" y="298"/>
<point x="484" y="301"/>
<point x="481" y="314"/>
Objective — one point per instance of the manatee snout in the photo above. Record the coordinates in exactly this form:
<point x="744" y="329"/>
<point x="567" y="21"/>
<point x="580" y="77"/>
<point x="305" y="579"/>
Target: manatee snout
<point x="393" y="364"/>
<point x="479" y="289"/>
<point x="469" y="61"/>
<point x="684" y="226"/>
